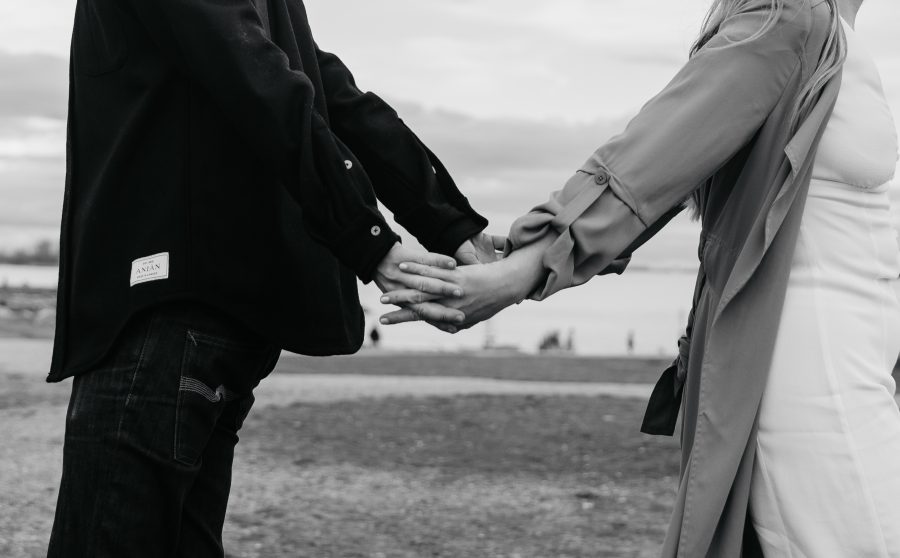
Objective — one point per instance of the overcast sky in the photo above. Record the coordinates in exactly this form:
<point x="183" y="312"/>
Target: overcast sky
<point x="512" y="94"/>
<point x="521" y="58"/>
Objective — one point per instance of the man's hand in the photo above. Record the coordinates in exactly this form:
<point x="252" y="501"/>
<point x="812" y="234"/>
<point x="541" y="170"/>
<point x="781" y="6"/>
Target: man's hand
<point x="417" y="291"/>
<point x="487" y="289"/>
<point x="481" y="249"/>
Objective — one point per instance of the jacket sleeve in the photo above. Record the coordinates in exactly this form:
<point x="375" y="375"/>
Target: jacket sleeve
<point x="408" y="178"/>
<point x="635" y="183"/>
<point x="222" y="46"/>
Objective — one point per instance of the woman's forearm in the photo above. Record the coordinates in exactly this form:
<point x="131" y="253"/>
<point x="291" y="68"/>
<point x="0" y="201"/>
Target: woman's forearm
<point x="524" y="268"/>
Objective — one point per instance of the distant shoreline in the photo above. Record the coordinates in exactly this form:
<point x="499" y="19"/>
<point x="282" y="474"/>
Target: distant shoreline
<point x="43" y="275"/>
<point x="27" y="312"/>
<point x="10" y="260"/>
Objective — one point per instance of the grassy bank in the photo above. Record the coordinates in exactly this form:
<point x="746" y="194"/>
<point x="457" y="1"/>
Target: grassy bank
<point x="473" y="476"/>
<point x="483" y="365"/>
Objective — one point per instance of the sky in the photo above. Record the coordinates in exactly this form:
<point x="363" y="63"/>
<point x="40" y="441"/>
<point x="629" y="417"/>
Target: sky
<point x="513" y="95"/>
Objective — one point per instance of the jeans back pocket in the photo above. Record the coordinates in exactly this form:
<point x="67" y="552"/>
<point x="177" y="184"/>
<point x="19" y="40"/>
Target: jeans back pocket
<point x="217" y="378"/>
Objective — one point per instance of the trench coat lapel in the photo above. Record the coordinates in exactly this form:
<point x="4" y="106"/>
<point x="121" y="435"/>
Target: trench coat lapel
<point x="711" y="510"/>
<point x="800" y="156"/>
<point x="798" y="153"/>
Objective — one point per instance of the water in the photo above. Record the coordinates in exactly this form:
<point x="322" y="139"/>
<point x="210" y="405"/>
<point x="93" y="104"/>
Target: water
<point x="36" y="276"/>
<point x="653" y="305"/>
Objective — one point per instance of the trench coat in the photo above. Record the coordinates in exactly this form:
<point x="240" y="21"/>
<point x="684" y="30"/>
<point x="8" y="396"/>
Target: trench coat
<point x="723" y="126"/>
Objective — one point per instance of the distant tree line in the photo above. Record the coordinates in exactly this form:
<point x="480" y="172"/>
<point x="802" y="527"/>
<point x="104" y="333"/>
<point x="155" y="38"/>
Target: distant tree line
<point x="44" y="252"/>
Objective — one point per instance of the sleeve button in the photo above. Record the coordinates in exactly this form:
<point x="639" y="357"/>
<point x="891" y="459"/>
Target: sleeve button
<point x="601" y="178"/>
<point x="376" y="230"/>
<point x="349" y="164"/>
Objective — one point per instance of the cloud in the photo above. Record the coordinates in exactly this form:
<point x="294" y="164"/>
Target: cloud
<point x="33" y="102"/>
<point x="571" y="60"/>
<point x="506" y="166"/>
<point x="36" y="26"/>
<point x="492" y="144"/>
<point x="574" y="60"/>
<point x="33" y="85"/>
<point x="31" y="191"/>
<point x="31" y="137"/>
<point x="513" y="94"/>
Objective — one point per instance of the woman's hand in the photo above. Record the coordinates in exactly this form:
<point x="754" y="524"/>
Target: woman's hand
<point x="481" y="249"/>
<point x="487" y="289"/>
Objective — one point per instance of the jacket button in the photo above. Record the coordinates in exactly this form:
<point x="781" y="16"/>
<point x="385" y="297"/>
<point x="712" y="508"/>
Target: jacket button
<point x="349" y="164"/>
<point x="601" y="178"/>
<point x="376" y="230"/>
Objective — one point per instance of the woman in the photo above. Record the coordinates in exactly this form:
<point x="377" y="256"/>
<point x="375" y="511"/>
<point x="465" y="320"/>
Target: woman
<point x="790" y="434"/>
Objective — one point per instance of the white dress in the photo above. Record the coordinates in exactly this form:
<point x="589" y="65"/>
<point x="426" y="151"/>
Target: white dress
<point x="826" y="481"/>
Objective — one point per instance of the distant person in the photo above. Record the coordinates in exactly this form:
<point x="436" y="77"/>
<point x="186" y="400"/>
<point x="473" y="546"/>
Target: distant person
<point x="220" y="205"/>
<point x="550" y="342"/>
<point x="375" y="337"/>
<point x="629" y="342"/>
<point x="778" y="133"/>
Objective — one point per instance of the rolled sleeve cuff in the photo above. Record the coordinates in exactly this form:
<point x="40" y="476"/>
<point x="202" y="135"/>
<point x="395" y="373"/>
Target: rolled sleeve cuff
<point x="364" y="245"/>
<point x="591" y="226"/>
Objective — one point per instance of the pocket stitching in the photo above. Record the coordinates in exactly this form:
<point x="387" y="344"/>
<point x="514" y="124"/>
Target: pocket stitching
<point x="194" y="336"/>
<point x="194" y="385"/>
<point x="188" y="384"/>
<point x="178" y="400"/>
<point x="134" y="376"/>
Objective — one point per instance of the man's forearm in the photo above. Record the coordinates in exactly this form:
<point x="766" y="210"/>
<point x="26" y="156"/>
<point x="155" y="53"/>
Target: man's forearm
<point x="224" y="49"/>
<point x="408" y="178"/>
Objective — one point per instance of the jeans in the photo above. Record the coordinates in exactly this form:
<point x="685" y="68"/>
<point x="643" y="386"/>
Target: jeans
<point x="150" y="437"/>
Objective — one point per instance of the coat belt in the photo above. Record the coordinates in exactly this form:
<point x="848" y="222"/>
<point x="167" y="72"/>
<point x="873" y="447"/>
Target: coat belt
<point x="665" y="401"/>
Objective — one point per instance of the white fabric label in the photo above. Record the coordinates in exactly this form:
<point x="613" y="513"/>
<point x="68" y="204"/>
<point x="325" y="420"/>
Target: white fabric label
<point x="151" y="268"/>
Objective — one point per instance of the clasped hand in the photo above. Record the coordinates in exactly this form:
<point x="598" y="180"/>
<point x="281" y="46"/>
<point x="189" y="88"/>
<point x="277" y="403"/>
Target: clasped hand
<point x="391" y="277"/>
<point x="453" y="298"/>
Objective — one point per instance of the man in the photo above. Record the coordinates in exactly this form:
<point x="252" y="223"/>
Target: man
<point x="220" y="205"/>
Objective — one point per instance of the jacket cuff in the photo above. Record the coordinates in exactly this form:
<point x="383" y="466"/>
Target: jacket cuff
<point x="364" y="245"/>
<point x="457" y="232"/>
<point x="441" y="229"/>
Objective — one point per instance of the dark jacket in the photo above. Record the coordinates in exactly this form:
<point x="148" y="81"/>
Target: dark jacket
<point x="218" y="138"/>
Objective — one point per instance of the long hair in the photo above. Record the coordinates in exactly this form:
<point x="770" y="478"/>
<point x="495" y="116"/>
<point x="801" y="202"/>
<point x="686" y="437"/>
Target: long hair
<point x="831" y="59"/>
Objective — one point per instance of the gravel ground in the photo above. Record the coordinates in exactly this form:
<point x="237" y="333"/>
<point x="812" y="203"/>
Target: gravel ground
<point x="376" y="465"/>
<point x="268" y="485"/>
